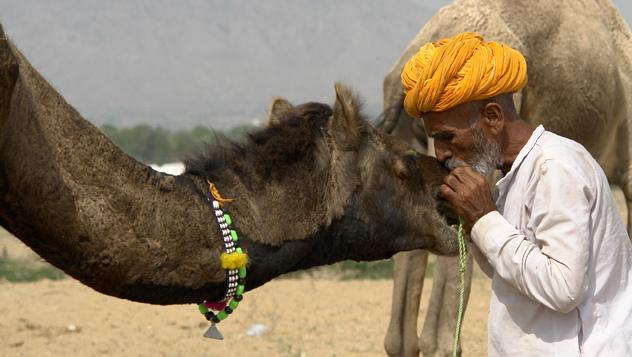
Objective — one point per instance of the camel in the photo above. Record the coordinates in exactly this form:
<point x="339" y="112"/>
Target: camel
<point x="319" y="186"/>
<point x="579" y="56"/>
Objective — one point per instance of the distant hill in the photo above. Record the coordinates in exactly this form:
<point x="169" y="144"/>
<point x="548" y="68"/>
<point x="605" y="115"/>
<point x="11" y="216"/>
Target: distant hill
<point x="217" y="63"/>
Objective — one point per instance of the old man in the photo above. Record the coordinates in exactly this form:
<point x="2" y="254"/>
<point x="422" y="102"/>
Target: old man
<point x="550" y="236"/>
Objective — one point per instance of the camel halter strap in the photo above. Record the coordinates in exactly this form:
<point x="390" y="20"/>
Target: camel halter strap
<point x="233" y="259"/>
<point x="462" y="266"/>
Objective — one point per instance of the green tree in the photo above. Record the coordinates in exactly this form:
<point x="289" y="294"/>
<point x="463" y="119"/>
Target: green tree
<point x="155" y="145"/>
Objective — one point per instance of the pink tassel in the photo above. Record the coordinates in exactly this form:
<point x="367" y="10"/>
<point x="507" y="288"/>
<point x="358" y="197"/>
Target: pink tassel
<point x="216" y="305"/>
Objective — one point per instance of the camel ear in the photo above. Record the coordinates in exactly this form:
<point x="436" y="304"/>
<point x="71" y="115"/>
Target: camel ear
<point x="347" y="126"/>
<point x="278" y="110"/>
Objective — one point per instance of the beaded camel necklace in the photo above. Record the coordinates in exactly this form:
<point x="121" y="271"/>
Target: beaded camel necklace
<point x="234" y="260"/>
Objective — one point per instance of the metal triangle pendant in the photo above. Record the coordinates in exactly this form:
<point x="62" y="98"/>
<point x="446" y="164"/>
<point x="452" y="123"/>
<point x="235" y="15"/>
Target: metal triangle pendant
<point x="213" y="332"/>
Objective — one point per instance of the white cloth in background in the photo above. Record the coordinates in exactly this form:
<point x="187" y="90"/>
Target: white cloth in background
<point x="559" y="256"/>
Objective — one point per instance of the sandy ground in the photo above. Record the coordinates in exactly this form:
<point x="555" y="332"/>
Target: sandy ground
<point x="306" y="317"/>
<point x="302" y="317"/>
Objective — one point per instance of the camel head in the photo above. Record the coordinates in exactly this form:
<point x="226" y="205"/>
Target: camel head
<point x="319" y="185"/>
<point x="385" y="182"/>
<point x="335" y="179"/>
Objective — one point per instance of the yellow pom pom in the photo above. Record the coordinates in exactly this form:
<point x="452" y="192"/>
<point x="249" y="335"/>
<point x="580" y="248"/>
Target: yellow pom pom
<point x="233" y="260"/>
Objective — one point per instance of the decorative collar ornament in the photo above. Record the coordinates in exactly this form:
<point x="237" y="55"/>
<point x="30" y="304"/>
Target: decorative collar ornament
<point x="234" y="260"/>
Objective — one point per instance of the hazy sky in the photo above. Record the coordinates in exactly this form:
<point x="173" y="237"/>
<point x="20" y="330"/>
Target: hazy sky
<point x="213" y="62"/>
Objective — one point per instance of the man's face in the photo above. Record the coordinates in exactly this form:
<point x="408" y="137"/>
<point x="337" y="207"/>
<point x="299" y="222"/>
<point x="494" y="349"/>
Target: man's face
<point x="459" y="139"/>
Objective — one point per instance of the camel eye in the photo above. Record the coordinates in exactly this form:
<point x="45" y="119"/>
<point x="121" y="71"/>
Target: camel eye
<point x="410" y="161"/>
<point x="407" y="168"/>
<point x="401" y="170"/>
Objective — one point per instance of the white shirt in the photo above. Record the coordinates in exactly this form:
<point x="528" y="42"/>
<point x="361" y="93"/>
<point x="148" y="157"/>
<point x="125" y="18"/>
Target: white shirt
<point x="559" y="256"/>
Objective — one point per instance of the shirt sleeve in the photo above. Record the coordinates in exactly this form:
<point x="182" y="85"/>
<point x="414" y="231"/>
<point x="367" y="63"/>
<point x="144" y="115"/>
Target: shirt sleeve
<point x="552" y="269"/>
<point x="481" y="260"/>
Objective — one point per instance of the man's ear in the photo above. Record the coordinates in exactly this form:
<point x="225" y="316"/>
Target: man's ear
<point x="278" y="110"/>
<point x="494" y="117"/>
<point x="347" y="125"/>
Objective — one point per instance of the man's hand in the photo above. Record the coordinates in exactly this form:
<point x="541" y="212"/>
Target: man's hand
<point x="469" y="194"/>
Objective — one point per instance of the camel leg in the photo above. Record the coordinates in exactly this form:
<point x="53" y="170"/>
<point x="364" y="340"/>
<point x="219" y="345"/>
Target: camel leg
<point x="626" y="187"/>
<point x="437" y="335"/>
<point x="623" y="148"/>
<point x="625" y="183"/>
<point x="408" y="281"/>
<point x="627" y="193"/>
<point x="624" y="155"/>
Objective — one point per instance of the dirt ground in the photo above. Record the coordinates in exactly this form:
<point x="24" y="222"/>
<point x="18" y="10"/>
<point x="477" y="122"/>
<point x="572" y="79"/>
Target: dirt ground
<point x="299" y="317"/>
<point x="311" y="316"/>
<point x="302" y="317"/>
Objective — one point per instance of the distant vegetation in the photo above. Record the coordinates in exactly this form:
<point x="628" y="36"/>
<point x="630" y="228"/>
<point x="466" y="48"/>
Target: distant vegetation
<point x="15" y="269"/>
<point x="154" y="145"/>
<point x="24" y="270"/>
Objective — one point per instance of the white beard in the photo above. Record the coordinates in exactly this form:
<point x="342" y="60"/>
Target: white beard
<point x="487" y="155"/>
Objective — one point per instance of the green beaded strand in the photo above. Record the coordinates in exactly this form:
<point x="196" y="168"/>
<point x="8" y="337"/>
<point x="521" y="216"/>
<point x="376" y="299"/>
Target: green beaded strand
<point x="234" y="303"/>
<point x="222" y="315"/>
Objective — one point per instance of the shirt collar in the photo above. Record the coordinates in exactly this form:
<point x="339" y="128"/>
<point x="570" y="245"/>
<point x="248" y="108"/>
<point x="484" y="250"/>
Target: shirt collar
<point x="526" y="149"/>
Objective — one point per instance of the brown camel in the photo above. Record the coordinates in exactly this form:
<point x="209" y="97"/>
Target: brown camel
<point x="580" y="85"/>
<point x="319" y="186"/>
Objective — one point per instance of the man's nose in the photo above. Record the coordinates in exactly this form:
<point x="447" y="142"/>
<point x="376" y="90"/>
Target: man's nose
<point x="442" y="153"/>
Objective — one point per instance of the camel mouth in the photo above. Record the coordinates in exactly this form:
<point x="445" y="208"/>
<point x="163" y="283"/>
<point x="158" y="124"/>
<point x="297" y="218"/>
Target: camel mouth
<point x="452" y="221"/>
<point x="446" y="238"/>
<point x="446" y="211"/>
<point x="446" y="250"/>
<point x="451" y="247"/>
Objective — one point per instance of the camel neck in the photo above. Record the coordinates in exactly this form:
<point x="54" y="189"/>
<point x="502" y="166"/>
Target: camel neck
<point x="88" y="208"/>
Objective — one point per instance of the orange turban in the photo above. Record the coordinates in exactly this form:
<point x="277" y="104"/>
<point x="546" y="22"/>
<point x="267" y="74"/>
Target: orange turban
<point x="460" y="69"/>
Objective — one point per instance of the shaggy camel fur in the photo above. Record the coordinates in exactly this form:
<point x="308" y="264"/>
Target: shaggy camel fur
<point x="319" y="186"/>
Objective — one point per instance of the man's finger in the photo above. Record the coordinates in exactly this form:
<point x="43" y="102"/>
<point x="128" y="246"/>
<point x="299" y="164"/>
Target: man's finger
<point x="446" y="192"/>
<point x="463" y="173"/>
<point x="452" y="182"/>
<point x="469" y="176"/>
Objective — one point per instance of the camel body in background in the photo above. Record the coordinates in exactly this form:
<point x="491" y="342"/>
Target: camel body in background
<point x="579" y="57"/>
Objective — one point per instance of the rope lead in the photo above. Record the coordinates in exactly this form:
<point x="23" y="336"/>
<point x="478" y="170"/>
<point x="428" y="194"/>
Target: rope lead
<point x="462" y="268"/>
